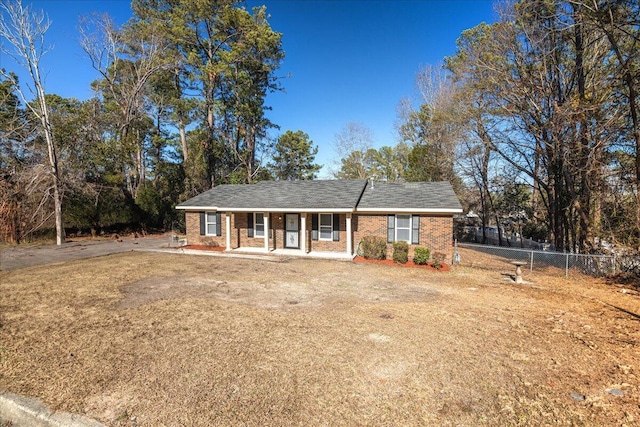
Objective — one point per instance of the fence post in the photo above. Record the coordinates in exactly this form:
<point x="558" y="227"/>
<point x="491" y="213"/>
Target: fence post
<point x="566" y="265"/>
<point x="531" y="267"/>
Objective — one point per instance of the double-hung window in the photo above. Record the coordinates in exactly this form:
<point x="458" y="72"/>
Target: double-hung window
<point x="258" y="225"/>
<point x="326" y="226"/>
<point x="403" y="228"/>
<point x="211" y="223"/>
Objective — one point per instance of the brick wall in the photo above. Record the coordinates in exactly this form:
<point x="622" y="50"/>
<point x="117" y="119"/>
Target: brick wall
<point x="278" y="230"/>
<point x="326" y="245"/>
<point x="192" y="222"/>
<point x="239" y="226"/>
<point x="436" y="232"/>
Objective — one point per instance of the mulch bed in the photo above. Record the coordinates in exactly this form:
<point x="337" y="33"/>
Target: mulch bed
<point x="410" y="264"/>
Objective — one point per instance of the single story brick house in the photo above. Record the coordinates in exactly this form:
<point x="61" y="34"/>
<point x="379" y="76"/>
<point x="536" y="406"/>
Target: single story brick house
<point x="322" y="217"/>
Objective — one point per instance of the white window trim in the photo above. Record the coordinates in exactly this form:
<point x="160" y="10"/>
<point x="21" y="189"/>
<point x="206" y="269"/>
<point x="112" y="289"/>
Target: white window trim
<point x="257" y="215"/>
<point x="207" y="223"/>
<point x="403" y="228"/>
<point x="320" y="226"/>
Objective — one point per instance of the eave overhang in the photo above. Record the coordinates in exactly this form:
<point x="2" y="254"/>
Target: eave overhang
<point x="258" y="209"/>
<point x="410" y="210"/>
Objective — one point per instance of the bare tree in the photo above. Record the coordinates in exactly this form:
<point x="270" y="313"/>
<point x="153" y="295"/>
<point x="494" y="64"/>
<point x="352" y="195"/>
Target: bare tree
<point x="126" y="59"/>
<point x="430" y="127"/>
<point x="545" y="110"/>
<point x="619" y="22"/>
<point x="24" y="31"/>
<point x="353" y="137"/>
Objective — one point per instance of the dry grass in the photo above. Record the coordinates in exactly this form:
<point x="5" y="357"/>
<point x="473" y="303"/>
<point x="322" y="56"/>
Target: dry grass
<point x="157" y="339"/>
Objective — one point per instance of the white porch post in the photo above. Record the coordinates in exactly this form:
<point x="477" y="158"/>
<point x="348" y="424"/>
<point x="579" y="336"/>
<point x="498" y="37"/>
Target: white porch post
<point x="266" y="231"/>
<point x="227" y="230"/>
<point x="303" y="232"/>
<point x="349" y="237"/>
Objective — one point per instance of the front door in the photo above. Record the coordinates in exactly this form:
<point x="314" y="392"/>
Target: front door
<point x="291" y="231"/>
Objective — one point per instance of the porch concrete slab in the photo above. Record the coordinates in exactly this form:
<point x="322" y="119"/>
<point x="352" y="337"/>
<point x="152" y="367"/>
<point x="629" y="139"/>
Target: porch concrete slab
<point x="313" y="254"/>
<point x="296" y="253"/>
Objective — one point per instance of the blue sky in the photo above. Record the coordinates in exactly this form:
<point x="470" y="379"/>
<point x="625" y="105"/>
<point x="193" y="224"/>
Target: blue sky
<point x="346" y="60"/>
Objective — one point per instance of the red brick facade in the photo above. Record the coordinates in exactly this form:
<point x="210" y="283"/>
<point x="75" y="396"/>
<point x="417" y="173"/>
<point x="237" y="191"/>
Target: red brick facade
<point x="240" y="233"/>
<point x="192" y="223"/>
<point x="435" y="232"/>
<point x="329" y="245"/>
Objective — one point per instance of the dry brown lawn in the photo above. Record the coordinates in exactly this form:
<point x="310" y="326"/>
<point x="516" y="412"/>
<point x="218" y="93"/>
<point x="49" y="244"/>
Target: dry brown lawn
<point x="140" y="339"/>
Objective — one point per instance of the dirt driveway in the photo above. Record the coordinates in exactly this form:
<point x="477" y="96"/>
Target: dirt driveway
<point x="150" y="339"/>
<point x="16" y="257"/>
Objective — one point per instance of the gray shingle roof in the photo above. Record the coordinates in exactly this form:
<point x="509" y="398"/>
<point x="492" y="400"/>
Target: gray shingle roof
<point x="415" y="196"/>
<point x="286" y="195"/>
<point x="345" y="195"/>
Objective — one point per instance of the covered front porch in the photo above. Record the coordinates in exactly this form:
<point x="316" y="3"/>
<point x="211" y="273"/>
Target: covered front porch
<point x="292" y="233"/>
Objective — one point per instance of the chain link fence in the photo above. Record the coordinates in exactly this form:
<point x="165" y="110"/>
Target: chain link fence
<point x="593" y="265"/>
<point x="629" y="265"/>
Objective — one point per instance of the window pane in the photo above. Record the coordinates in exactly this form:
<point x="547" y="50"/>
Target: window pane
<point x="258" y="225"/>
<point x="402" y="234"/>
<point x="326" y="233"/>
<point x="211" y="223"/>
<point x="325" y="219"/>
<point x="403" y="221"/>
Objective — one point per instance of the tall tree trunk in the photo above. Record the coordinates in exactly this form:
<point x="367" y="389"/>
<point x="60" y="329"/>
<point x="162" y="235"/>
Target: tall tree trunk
<point x="635" y="122"/>
<point x="251" y="149"/>
<point x="209" y="145"/>
<point x="485" y="188"/>
<point x="183" y="141"/>
<point x="536" y="184"/>
<point x="53" y="156"/>
<point x="55" y="173"/>
<point x="555" y="207"/>
<point x="24" y="30"/>
<point x="583" y="207"/>
<point x="607" y="23"/>
<point x="629" y="80"/>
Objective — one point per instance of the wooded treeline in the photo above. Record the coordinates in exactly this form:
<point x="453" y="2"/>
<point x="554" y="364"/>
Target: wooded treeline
<point x="535" y="120"/>
<point x="179" y="107"/>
